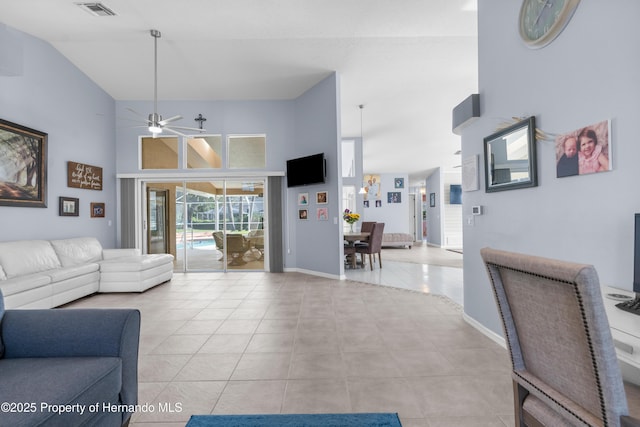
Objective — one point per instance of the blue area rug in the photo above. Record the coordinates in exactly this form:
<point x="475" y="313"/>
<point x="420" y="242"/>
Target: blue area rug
<point x="297" y="420"/>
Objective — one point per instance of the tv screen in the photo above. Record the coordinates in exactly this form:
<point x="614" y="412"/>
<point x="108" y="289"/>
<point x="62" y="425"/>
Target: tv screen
<point x="306" y="170"/>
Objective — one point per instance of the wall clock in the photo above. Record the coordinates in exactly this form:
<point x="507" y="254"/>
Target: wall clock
<point x="542" y="20"/>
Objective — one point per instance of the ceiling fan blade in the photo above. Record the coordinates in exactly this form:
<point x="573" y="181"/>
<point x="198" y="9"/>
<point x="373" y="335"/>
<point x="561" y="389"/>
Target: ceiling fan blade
<point x="136" y="113"/>
<point x="128" y="119"/>
<point x="168" y="129"/>
<point x="186" y="128"/>
<point x="170" y="119"/>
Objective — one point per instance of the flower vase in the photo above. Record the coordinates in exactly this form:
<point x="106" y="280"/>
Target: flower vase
<point x="351" y="227"/>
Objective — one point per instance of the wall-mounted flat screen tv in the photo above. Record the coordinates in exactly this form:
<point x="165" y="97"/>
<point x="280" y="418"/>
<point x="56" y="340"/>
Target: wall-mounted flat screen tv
<point x="306" y="170"/>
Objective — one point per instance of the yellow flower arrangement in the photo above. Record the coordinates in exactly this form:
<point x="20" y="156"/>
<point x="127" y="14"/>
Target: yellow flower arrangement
<point x="350" y="217"/>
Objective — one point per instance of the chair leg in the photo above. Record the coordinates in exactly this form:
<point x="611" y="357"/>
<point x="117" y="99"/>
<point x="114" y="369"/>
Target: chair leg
<point x="370" y="262"/>
<point x="379" y="259"/>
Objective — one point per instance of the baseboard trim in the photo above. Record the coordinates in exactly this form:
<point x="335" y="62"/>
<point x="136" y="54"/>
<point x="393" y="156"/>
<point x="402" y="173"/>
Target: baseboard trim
<point x="314" y="273"/>
<point x="498" y="339"/>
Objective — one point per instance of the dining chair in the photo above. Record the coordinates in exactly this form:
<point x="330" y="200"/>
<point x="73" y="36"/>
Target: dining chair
<point x="365" y="227"/>
<point x="374" y="245"/>
<point x="564" y="365"/>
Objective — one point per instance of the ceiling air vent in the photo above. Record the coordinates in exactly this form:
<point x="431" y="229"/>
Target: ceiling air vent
<point x="96" y="9"/>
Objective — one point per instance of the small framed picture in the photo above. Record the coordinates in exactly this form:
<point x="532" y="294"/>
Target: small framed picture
<point x="69" y="206"/>
<point x="97" y="210"/>
<point x="322" y="197"/>
<point x="303" y="199"/>
<point x="399" y="182"/>
<point x="303" y="214"/>
<point x="394" y="197"/>
<point x="322" y="214"/>
<point x="432" y="200"/>
<point x="378" y="203"/>
<point x="366" y="203"/>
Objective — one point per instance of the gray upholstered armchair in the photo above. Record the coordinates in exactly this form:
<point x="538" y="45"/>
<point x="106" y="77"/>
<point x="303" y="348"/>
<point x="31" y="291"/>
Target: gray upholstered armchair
<point x="68" y="367"/>
<point x="565" y="370"/>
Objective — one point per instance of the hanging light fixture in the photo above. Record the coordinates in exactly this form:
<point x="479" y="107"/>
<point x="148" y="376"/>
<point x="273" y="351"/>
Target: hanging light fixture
<point x="361" y="107"/>
<point x="154" y="121"/>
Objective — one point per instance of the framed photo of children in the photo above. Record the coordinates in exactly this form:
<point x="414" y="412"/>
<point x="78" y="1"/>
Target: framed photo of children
<point x="303" y="199"/>
<point x="584" y="151"/>
<point x="322" y="198"/>
<point x="303" y="214"/>
<point x="322" y="214"/>
<point x="394" y="197"/>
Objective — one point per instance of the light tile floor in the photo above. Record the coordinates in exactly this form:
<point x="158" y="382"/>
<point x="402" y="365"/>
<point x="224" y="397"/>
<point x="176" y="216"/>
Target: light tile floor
<point x="251" y="342"/>
<point x="283" y="343"/>
<point x="427" y="278"/>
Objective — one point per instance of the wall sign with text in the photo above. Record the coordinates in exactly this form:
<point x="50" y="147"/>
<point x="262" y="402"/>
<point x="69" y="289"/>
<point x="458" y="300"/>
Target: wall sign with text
<point x="80" y="175"/>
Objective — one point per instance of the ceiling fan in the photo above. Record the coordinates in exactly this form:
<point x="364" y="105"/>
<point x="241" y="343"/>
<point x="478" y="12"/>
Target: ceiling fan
<point x="154" y="122"/>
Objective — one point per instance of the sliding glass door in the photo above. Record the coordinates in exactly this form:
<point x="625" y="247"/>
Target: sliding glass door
<point x="219" y="225"/>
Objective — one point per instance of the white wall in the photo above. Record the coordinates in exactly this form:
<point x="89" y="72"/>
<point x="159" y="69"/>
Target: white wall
<point x="51" y="95"/>
<point x="588" y="74"/>
<point x="394" y="215"/>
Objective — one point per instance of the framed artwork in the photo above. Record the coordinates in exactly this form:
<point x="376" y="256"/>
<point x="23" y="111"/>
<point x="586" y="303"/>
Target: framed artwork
<point x="378" y="203"/>
<point x="432" y="200"/>
<point x="322" y="197"/>
<point x="303" y="214"/>
<point x="23" y="166"/>
<point x="80" y="175"/>
<point x="371" y="186"/>
<point x="584" y="151"/>
<point x="394" y="197"/>
<point x="365" y="203"/>
<point x="470" y="180"/>
<point x="97" y="210"/>
<point x="510" y="157"/>
<point x="455" y="194"/>
<point x="322" y="214"/>
<point x="303" y="199"/>
<point x="398" y="182"/>
<point x="69" y="206"/>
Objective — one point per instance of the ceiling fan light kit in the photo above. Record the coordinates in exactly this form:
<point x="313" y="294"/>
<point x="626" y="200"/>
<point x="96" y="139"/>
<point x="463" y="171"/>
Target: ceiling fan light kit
<point x="155" y="122"/>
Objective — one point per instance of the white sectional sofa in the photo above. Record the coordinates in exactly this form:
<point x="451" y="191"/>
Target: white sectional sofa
<point x="49" y="273"/>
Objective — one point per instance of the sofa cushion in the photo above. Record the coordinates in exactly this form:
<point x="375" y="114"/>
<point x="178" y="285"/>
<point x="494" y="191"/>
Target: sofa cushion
<point x="26" y="257"/>
<point x="136" y="263"/>
<point x="65" y="380"/>
<point x="24" y="283"/>
<point x="70" y="272"/>
<point x="119" y="253"/>
<point x="76" y="251"/>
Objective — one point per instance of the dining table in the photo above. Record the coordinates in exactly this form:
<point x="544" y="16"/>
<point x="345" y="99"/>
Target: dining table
<point x="352" y="237"/>
<point x="356" y="236"/>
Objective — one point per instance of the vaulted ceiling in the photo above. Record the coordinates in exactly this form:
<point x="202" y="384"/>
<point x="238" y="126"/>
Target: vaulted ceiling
<point x="409" y="62"/>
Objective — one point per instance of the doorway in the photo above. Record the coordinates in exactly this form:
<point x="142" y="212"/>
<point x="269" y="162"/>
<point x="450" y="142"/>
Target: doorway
<point x="157" y="220"/>
<point x="212" y="225"/>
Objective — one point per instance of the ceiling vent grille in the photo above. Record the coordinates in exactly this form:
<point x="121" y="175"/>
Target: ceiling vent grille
<point x="96" y="9"/>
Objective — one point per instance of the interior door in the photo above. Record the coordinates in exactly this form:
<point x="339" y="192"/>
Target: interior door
<point x="157" y="220"/>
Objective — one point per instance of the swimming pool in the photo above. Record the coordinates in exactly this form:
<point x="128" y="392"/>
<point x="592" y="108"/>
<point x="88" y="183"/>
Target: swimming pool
<point x="204" y="244"/>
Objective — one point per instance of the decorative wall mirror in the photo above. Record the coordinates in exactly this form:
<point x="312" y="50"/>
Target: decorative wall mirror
<point x="510" y="157"/>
